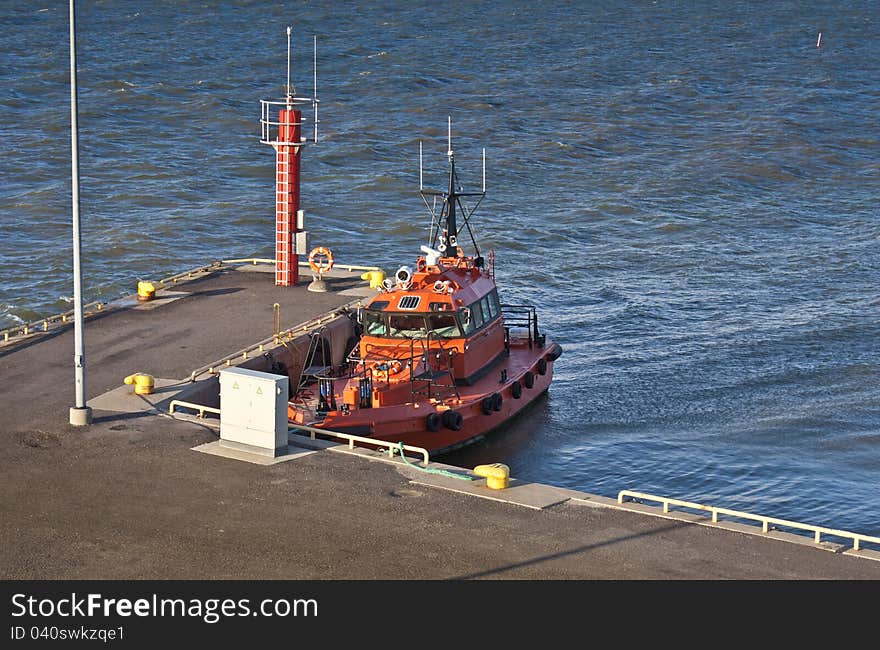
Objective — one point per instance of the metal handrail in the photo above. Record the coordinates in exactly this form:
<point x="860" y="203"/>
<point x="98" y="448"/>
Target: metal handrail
<point x="392" y="446"/>
<point x="522" y="316"/>
<point x="269" y="127"/>
<point x="187" y="275"/>
<point x="354" y="267"/>
<point x="288" y="334"/>
<point x="42" y="324"/>
<point x="252" y="260"/>
<point x="336" y="265"/>
<point x="201" y="408"/>
<point x="426" y="350"/>
<point x="818" y="531"/>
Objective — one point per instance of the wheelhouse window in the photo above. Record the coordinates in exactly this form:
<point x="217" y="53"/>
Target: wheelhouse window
<point x="480" y="313"/>
<point x="494" y="303"/>
<point x="406" y="326"/>
<point x="484" y="307"/>
<point x="444" y="325"/>
<point x="375" y="323"/>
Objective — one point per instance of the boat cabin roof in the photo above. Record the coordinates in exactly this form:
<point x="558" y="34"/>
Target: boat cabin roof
<point x="448" y="302"/>
<point x="437" y="288"/>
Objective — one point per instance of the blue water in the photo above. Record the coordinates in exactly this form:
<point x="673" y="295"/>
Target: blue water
<point x="688" y="190"/>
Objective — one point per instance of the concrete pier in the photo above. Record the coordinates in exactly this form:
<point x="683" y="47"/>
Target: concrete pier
<point x="128" y="497"/>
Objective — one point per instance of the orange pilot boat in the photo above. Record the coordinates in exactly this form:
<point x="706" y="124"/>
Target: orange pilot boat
<point x="439" y="360"/>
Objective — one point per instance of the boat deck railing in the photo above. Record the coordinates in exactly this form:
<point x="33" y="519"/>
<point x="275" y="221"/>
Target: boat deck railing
<point x="521" y="317"/>
<point x="358" y="367"/>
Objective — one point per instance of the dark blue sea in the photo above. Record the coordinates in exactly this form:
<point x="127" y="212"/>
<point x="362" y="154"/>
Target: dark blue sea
<point x="687" y="190"/>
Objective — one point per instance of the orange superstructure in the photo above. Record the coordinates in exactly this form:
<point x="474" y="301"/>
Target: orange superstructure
<point x="439" y="361"/>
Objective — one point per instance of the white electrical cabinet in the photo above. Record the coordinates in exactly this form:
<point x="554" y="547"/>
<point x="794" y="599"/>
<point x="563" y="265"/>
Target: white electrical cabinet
<point x="253" y="410"/>
<point x="301" y="241"/>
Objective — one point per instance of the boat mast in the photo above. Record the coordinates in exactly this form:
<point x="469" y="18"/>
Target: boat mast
<point x="451" y="198"/>
<point x="445" y="229"/>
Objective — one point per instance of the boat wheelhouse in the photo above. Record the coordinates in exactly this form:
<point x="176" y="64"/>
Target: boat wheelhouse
<point x="439" y="361"/>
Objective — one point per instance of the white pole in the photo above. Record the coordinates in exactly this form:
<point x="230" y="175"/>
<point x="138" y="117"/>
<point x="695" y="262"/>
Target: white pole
<point x="449" y="137"/>
<point x="80" y="414"/>
<point x="420" y="166"/>
<point x="288" y="63"/>
<point x="315" y="83"/>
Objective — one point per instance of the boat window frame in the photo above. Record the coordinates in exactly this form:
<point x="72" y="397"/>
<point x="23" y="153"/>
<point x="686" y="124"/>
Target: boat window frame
<point x="445" y="314"/>
<point x="494" y="302"/>
<point x="386" y="317"/>
<point x="477" y="307"/>
<point x="407" y="315"/>
<point x="381" y="317"/>
<point x="484" y="307"/>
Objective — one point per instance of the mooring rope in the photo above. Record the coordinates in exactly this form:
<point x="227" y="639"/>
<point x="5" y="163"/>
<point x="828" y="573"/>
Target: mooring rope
<point x="430" y="470"/>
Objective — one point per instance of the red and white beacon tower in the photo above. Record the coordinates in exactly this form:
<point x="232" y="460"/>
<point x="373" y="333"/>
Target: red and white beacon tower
<point x="285" y="134"/>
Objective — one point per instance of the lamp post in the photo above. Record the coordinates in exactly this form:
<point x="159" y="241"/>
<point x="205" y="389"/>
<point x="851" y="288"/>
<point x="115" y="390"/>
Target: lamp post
<point x="80" y="414"/>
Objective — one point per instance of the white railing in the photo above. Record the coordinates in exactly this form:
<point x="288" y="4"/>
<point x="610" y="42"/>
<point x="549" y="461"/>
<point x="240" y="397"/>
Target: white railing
<point x="201" y="408"/>
<point x="336" y="265"/>
<point x="42" y="325"/>
<point x="91" y="308"/>
<point x="766" y="522"/>
<point x="314" y="432"/>
<point x="392" y="446"/>
<point x="270" y="126"/>
<point x="252" y="260"/>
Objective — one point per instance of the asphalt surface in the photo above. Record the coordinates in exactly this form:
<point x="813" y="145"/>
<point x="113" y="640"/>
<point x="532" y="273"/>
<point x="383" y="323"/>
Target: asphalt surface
<point x="127" y="498"/>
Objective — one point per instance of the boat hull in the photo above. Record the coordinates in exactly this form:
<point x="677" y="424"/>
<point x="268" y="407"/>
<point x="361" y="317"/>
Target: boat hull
<point x="409" y="422"/>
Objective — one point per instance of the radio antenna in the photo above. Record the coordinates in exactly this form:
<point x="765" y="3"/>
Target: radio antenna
<point x="288" y="63"/>
<point x="315" y="83"/>
<point x="449" y="138"/>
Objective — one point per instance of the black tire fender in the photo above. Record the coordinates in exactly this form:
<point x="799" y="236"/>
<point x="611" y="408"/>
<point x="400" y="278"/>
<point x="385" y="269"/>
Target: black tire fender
<point x="487" y="405"/>
<point x="452" y="420"/>
<point x="433" y="421"/>
<point x="542" y="366"/>
<point x="516" y="390"/>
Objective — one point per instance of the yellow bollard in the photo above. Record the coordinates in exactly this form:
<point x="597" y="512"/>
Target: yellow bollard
<point x="497" y="475"/>
<point x="146" y="291"/>
<point x="375" y="278"/>
<point x="143" y="383"/>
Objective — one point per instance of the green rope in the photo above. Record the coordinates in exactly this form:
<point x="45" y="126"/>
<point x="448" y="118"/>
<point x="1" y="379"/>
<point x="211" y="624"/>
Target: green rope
<point x="430" y="470"/>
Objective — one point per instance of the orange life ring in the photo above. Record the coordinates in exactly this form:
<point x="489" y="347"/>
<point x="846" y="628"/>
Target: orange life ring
<point x="391" y="368"/>
<point x="326" y="265"/>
